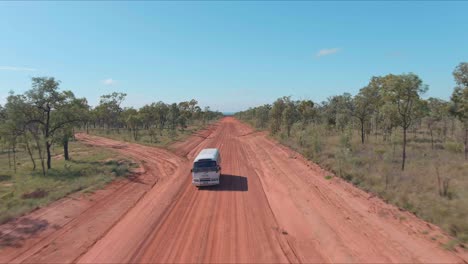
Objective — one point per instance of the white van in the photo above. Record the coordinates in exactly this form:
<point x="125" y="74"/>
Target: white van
<point x="206" y="168"/>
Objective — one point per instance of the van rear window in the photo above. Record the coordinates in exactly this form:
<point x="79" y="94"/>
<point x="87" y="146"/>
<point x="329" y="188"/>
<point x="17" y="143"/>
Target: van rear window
<point x="204" y="164"/>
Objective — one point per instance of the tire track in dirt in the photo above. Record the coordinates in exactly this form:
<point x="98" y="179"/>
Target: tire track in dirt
<point x="334" y="217"/>
<point x="70" y="226"/>
<point x="228" y="223"/>
<point x="272" y="206"/>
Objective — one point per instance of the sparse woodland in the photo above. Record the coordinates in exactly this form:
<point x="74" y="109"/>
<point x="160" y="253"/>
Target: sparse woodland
<point x="39" y="160"/>
<point x="45" y="117"/>
<point x="387" y="139"/>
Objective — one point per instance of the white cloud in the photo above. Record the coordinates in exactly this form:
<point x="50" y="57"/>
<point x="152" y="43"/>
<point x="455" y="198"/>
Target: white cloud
<point x="325" y="52"/>
<point x="13" y="68"/>
<point x="109" y="82"/>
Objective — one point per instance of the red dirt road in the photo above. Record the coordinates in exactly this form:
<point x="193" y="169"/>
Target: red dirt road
<point x="271" y="206"/>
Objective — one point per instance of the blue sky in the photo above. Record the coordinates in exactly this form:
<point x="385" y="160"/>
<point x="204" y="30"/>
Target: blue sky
<point x="229" y="55"/>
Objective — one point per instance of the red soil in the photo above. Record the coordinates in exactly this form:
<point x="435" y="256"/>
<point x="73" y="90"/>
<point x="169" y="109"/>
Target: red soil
<point x="272" y="206"/>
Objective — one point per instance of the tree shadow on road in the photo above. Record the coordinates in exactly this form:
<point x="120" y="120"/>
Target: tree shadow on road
<point x="228" y="182"/>
<point x="24" y="228"/>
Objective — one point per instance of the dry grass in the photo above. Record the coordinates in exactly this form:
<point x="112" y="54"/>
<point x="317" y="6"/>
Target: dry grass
<point x="23" y="191"/>
<point x="164" y="139"/>
<point x="376" y="167"/>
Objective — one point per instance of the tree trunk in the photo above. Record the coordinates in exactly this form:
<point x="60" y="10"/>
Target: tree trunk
<point x="452" y="130"/>
<point x="438" y="181"/>
<point x="14" y="158"/>
<point x="445" y="129"/>
<point x="362" y="132"/>
<point x="386" y="180"/>
<point x="432" y="139"/>
<point x="65" y="148"/>
<point x="30" y="154"/>
<point x="9" y="158"/>
<point x="47" y="144"/>
<point x="39" y="150"/>
<point x="404" y="150"/>
<point x="49" y="155"/>
<point x="466" y="143"/>
<point x="445" y="186"/>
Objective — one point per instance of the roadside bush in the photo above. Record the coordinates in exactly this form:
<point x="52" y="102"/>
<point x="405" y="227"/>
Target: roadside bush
<point x="90" y="169"/>
<point x="121" y="169"/>
<point x="345" y="139"/>
<point x="313" y="143"/>
<point x="438" y="195"/>
<point x="172" y="133"/>
<point x="342" y="156"/>
<point x="454" y="147"/>
<point x="316" y="142"/>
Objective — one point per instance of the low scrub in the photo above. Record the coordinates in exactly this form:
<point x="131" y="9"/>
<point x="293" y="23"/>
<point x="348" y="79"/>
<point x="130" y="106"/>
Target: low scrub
<point x="89" y="169"/>
<point x="150" y="137"/>
<point x="433" y="186"/>
<point x="453" y="147"/>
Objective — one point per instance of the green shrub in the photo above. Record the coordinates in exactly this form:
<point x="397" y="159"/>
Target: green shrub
<point x="345" y="139"/>
<point x="316" y="142"/>
<point x="23" y="191"/>
<point x="450" y="245"/>
<point x="453" y="147"/>
<point x="121" y="169"/>
<point x="376" y="167"/>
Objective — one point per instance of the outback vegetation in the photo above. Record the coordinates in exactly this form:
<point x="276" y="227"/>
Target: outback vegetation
<point x="37" y="133"/>
<point x="154" y="124"/>
<point x="388" y="140"/>
<point x="90" y="169"/>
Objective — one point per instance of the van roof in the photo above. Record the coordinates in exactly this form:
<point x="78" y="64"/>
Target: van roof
<point x="209" y="154"/>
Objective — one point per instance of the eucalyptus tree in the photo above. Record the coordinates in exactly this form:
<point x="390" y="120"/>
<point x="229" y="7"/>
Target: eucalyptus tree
<point x="70" y="114"/>
<point x="161" y="112"/>
<point x="133" y="120"/>
<point x="403" y="92"/>
<point x="2" y="114"/>
<point x="364" y="104"/>
<point x="289" y="115"/>
<point x="306" y="112"/>
<point x="184" y="112"/>
<point x="110" y="110"/>
<point x="18" y="115"/>
<point x="337" y="110"/>
<point x="173" y="116"/>
<point x="87" y="114"/>
<point x="182" y="121"/>
<point x="197" y="113"/>
<point x="437" y="110"/>
<point x="193" y="104"/>
<point x="55" y="109"/>
<point x="12" y="126"/>
<point x="276" y="114"/>
<point x="207" y="114"/>
<point x="459" y="99"/>
<point x="148" y="116"/>
<point x="261" y="115"/>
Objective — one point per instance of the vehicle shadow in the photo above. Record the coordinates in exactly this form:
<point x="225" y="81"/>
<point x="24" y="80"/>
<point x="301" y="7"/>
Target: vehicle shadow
<point x="228" y="182"/>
